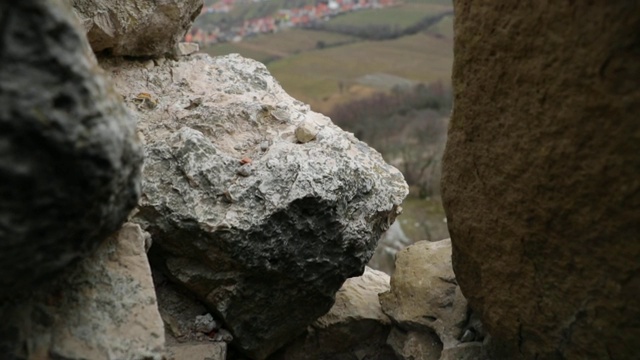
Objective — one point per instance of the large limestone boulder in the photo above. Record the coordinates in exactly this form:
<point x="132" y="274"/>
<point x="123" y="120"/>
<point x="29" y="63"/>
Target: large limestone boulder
<point x="104" y="308"/>
<point x="69" y="160"/>
<point x="256" y="204"/>
<point x="541" y="180"/>
<point x="425" y="301"/>
<point x="354" y="328"/>
<point x="136" y="27"/>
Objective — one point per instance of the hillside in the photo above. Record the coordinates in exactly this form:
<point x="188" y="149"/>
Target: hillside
<point x="316" y="76"/>
<point x="335" y="65"/>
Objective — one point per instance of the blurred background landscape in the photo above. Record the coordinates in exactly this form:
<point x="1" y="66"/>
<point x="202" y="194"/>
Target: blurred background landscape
<point x="380" y="69"/>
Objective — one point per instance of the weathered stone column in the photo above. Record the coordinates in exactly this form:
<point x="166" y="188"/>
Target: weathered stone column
<point x="541" y="179"/>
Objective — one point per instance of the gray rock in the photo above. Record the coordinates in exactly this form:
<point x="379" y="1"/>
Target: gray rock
<point x="205" y="323"/>
<point x="137" y="27"/>
<point x="266" y="252"/>
<point x="102" y="309"/>
<point x="69" y="159"/>
<point x="354" y="327"/>
<point x="222" y="335"/>
<point x="185" y="48"/>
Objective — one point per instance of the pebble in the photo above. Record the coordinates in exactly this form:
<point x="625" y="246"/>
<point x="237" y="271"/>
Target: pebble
<point x="205" y="323"/>
<point x="245" y="170"/>
<point x="468" y="336"/>
<point x="307" y="131"/>
<point x="222" y="335"/>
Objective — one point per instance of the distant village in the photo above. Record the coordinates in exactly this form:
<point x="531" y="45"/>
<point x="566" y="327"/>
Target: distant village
<point x="284" y="18"/>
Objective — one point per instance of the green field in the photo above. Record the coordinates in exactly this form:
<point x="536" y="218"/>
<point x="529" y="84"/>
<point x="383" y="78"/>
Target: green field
<point x="313" y="76"/>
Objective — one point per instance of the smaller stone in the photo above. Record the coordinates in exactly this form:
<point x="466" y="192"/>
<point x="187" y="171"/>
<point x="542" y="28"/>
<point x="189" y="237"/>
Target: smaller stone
<point x="245" y="170"/>
<point x="468" y="336"/>
<point x="222" y="336"/>
<point x="187" y="48"/>
<point x="467" y="351"/>
<point x="205" y="324"/>
<point x="307" y="131"/>
<point x="264" y="146"/>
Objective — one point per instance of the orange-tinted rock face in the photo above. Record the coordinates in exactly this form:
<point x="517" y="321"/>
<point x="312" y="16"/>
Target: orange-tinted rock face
<point x="541" y="178"/>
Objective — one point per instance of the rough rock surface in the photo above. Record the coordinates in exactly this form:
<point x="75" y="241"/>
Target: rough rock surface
<point x="103" y="308"/>
<point x="262" y="228"/>
<point x="69" y="161"/>
<point x="541" y="177"/>
<point x="414" y="345"/>
<point x="426" y="303"/>
<point x="424" y="294"/>
<point x="202" y="351"/>
<point x="136" y="27"/>
<point x="187" y="322"/>
<point x="354" y="328"/>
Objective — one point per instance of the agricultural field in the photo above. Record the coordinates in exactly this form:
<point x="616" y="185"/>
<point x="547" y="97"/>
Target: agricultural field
<point x="316" y="77"/>
<point x="266" y="48"/>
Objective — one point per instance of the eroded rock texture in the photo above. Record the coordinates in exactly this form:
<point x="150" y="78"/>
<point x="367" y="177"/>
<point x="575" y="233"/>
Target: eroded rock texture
<point x="427" y="305"/>
<point x="102" y="309"/>
<point x="262" y="227"/>
<point x="354" y="328"/>
<point x="69" y="161"/>
<point x="136" y="27"/>
<point x="542" y="175"/>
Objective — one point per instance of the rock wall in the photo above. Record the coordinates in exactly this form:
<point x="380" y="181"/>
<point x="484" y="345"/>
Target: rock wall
<point x="541" y="180"/>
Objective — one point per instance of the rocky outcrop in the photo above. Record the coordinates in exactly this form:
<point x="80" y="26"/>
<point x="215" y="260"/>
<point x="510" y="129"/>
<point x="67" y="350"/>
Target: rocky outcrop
<point x="257" y="205"/>
<point x="541" y="177"/>
<point x="427" y="305"/>
<point x="138" y="28"/>
<point x="69" y="160"/>
<point x="354" y="328"/>
<point x="104" y="308"/>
